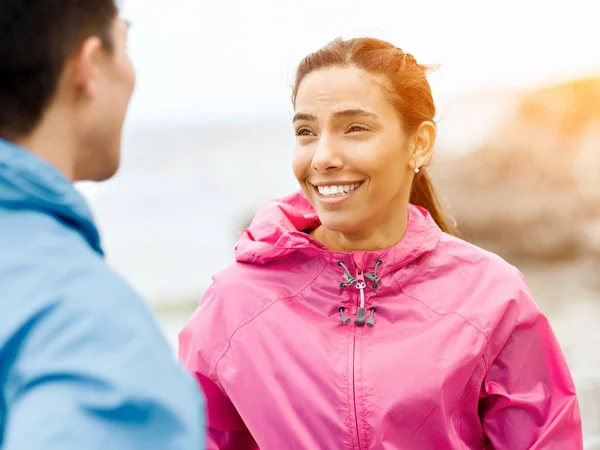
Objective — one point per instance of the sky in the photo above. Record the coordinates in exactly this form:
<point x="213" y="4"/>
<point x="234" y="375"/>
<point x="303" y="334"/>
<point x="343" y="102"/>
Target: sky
<point x="199" y="60"/>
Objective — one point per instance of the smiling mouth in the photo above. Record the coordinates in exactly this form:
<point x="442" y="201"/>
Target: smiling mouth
<point x="336" y="191"/>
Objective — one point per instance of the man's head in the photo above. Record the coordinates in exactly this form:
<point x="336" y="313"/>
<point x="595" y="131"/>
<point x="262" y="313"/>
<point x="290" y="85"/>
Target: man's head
<point x="65" y="82"/>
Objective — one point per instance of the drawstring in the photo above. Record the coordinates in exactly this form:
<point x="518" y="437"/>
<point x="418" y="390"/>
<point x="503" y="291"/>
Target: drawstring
<point x="360" y="314"/>
<point x="349" y="280"/>
<point x="372" y="277"/>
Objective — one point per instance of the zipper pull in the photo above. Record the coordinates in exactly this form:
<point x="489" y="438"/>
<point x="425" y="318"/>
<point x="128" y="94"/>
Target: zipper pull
<point x="360" y="285"/>
<point x="345" y="318"/>
<point x="371" y="321"/>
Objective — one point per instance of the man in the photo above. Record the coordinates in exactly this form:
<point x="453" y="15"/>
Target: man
<point x="83" y="364"/>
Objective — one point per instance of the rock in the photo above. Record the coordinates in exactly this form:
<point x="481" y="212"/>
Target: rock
<point x="532" y="188"/>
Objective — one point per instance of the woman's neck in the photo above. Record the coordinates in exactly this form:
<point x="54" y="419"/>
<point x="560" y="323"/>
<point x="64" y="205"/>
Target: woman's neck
<point x="379" y="239"/>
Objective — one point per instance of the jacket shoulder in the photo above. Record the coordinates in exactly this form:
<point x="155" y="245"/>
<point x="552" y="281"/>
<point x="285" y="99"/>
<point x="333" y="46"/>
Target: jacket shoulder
<point x="462" y="278"/>
<point x="49" y="271"/>
<point x="237" y="295"/>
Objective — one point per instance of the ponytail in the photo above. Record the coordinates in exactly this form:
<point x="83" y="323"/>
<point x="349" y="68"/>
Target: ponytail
<point x="423" y="194"/>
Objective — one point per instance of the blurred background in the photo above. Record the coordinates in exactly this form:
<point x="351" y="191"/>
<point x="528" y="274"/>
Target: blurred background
<point x="209" y="137"/>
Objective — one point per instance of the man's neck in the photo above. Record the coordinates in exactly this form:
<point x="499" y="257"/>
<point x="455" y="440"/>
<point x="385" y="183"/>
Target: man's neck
<point x="52" y="140"/>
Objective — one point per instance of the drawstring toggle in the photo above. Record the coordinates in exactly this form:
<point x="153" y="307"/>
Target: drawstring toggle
<point x="345" y="318"/>
<point x="360" y="284"/>
<point x="371" y="321"/>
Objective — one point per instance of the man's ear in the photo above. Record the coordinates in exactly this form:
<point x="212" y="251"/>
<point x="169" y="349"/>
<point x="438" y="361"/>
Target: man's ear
<point x="81" y="70"/>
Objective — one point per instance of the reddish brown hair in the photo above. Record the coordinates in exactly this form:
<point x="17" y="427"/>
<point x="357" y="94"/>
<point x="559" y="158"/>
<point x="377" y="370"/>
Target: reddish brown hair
<point x="406" y="86"/>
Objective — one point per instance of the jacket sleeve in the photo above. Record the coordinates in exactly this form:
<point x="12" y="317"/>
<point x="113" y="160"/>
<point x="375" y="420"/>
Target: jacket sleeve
<point x="528" y="400"/>
<point x="226" y="430"/>
<point x="91" y="370"/>
<point x="201" y="342"/>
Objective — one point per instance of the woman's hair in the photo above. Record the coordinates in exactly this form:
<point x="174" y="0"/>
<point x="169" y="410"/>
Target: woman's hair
<point x="405" y="84"/>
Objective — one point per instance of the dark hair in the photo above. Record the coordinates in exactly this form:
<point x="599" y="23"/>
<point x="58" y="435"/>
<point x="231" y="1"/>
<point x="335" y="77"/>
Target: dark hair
<point x="406" y="86"/>
<point x="36" y="38"/>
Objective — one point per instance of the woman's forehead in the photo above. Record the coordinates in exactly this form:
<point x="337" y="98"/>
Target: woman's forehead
<point x="341" y="89"/>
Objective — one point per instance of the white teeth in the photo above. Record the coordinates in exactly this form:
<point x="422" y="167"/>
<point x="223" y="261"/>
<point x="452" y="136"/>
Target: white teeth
<point x="330" y="191"/>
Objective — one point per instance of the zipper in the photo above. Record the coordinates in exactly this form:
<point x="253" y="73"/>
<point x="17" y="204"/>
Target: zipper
<point x="360" y="320"/>
<point x="354" y="390"/>
<point x="360" y="285"/>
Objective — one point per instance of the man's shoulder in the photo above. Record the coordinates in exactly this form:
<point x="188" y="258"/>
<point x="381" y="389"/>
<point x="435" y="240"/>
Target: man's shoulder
<point x="77" y="317"/>
<point x="55" y="276"/>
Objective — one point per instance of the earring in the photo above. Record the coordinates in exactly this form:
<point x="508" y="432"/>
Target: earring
<point x="417" y="170"/>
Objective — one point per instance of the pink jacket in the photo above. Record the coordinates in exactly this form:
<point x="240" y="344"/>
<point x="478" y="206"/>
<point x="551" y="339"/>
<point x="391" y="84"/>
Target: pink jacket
<point x="452" y="353"/>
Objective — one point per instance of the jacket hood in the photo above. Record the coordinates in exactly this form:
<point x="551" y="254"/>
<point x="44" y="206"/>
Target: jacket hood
<point x="27" y="182"/>
<point x="279" y="229"/>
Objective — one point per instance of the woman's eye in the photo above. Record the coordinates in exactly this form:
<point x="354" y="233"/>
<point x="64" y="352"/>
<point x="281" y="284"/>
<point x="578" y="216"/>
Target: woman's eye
<point x="355" y="128"/>
<point x="303" y="132"/>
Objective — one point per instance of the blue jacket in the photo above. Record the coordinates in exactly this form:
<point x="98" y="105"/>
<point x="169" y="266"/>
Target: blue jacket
<point x="83" y="364"/>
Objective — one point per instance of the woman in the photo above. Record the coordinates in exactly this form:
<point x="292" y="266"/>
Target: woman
<point x="352" y="318"/>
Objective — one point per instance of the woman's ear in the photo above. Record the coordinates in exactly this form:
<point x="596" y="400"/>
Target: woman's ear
<point x="422" y="143"/>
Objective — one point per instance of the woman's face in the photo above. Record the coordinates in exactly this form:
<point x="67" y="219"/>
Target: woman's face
<point x="352" y="158"/>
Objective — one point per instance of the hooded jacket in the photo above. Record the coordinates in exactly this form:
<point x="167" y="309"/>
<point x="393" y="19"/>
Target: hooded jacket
<point x="83" y="364"/>
<point x="431" y="344"/>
